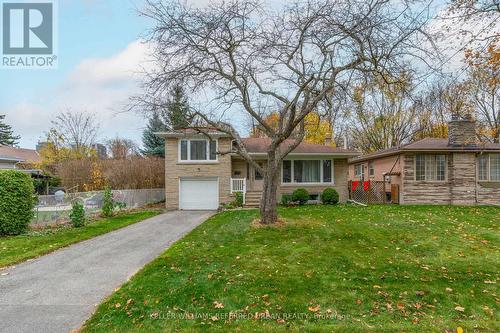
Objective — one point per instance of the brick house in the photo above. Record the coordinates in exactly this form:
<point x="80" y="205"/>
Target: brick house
<point x="457" y="171"/>
<point x="203" y="172"/>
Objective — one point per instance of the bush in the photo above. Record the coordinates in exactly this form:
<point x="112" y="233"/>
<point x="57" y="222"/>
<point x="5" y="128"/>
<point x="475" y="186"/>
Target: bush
<point x="286" y="199"/>
<point x="330" y="196"/>
<point x="77" y="215"/>
<point x="301" y="196"/>
<point x="17" y="201"/>
<point x="108" y="204"/>
<point x="238" y="202"/>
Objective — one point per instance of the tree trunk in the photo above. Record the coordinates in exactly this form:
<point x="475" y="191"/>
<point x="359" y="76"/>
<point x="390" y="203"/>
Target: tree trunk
<point x="268" y="203"/>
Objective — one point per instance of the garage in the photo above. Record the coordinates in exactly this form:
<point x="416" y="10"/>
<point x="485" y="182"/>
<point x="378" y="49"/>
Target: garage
<point x="198" y="194"/>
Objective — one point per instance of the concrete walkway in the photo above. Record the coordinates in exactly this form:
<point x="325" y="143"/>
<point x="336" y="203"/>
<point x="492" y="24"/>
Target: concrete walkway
<point x="59" y="291"/>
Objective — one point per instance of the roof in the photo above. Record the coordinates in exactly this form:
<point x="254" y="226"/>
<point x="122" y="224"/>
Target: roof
<point x="429" y="145"/>
<point x="260" y="146"/>
<point x="18" y="154"/>
<point x="184" y="132"/>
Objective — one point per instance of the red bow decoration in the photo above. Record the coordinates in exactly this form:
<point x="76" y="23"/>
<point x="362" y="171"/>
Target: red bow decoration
<point x="354" y="185"/>
<point x="366" y="186"/>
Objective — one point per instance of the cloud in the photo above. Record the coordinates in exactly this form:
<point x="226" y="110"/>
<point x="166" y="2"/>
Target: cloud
<point x="101" y="86"/>
<point x="125" y="65"/>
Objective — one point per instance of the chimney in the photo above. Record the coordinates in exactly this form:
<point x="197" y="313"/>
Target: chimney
<point x="462" y="131"/>
<point x="328" y="141"/>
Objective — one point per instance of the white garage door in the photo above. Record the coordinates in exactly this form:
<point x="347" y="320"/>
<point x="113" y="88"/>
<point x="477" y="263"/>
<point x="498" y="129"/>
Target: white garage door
<point x="199" y="194"/>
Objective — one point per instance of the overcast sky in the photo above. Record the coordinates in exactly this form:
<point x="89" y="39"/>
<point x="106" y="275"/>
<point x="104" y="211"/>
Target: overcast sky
<point x="99" y="58"/>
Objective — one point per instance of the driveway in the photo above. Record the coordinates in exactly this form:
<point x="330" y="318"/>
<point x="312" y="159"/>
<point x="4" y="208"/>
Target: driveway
<point x="59" y="291"/>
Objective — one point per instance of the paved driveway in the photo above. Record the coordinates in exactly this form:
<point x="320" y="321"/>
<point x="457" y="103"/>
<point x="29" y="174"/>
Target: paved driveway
<point x="59" y="291"/>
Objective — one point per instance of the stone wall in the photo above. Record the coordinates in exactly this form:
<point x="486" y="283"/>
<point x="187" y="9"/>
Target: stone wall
<point x="462" y="176"/>
<point x="460" y="187"/>
<point x="423" y="192"/>
<point x="461" y="132"/>
<point x="175" y="170"/>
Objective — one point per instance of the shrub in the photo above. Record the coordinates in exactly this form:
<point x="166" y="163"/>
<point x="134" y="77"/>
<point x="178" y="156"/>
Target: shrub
<point x="330" y="196"/>
<point x="108" y="204"/>
<point x="17" y="201"/>
<point x="238" y="202"/>
<point x="286" y="199"/>
<point x="301" y="196"/>
<point x="77" y="215"/>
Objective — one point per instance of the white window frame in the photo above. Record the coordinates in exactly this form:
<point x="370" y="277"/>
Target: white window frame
<point x="189" y="160"/>
<point x="488" y="168"/>
<point x="371" y="168"/>
<point x="362" y="168"/>
<point x="425" y="171"/>
<point x="321" y="160"/>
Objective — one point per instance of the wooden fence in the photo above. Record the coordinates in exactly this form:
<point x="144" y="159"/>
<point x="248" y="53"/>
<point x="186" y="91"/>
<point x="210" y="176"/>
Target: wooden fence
<point x="369" y="192"/>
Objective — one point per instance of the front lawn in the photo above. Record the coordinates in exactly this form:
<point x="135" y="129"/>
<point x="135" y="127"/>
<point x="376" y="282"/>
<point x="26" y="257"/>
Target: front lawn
<point x="342" y="269"/>
<point x="36" y="243"/>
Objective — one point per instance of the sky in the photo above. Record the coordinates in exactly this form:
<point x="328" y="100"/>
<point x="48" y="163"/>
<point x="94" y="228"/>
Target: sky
<point x="100" y="54"/>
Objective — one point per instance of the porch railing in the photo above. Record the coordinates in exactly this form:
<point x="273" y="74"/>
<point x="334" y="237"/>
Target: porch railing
<point x="239" y="185"/>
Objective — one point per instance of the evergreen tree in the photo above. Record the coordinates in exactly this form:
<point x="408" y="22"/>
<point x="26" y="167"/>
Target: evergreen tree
<point x="154" y="145"/>
<point x="177" y="108"/>
<point x="7" y="137"/>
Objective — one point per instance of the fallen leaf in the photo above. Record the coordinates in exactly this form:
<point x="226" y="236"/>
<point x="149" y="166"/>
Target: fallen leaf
<point x="117" y="305"/>
<point x="218" y="305"/>
<point x="449" y="290"/>
<point x="459" y="308"/>
<point x="314" y="308"/>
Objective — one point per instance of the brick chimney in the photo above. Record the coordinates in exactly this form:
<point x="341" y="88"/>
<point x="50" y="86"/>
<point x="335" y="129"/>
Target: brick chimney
<point x="462" y="131"/>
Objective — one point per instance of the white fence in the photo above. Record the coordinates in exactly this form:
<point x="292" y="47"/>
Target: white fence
<point x="53" y="208"/>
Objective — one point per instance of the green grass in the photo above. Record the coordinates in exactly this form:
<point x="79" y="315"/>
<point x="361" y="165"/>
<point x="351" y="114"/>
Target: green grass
<point x="362" y="269"/>
<point x="36" y="243"/>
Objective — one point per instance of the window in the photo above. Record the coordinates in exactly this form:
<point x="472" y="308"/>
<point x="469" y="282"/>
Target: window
<point x="489" y="167"/>
<point x="307" y="171"/>
<point x="327" y="171"/>
<point x="258" y="176"/>
<point x="359" y="171"/>
<point x="371" y="169"/>
<point x="198" y="150"/>
<point x="430" y="167"/>
<point x="287" y="171"/>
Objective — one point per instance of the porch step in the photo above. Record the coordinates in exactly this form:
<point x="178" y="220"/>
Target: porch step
<point x="252" y="199"/>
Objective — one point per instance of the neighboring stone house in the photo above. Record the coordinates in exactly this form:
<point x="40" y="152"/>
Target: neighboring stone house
<point x="202" y="173"/>
<point x="457" y="171"/>
<point x="17" y="158"/>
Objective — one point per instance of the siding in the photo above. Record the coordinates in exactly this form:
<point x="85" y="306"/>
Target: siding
<point x="423" y="192"/>
<point x="488" y="193"/>
<point x="460" y="187"/>
<point x="462" y="175"/>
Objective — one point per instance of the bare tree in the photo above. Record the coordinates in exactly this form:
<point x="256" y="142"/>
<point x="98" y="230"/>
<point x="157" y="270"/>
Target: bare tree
<point x="257" y="60"/>
<point x="76" y="129"/>
<point x="120" y="148"/>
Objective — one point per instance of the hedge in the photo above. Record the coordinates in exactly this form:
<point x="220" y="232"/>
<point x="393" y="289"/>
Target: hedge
<point x="17" y="201"/>
<point x="330" y="196"/>
<point x="301" y="196"/>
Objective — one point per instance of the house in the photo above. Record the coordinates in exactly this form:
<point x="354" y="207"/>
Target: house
<point x="203" y="173"/>
<point x="16" y="158"/>
<point x="457" y="171"/>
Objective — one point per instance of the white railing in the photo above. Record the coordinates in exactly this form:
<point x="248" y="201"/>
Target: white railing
<point x="239" y="185"/>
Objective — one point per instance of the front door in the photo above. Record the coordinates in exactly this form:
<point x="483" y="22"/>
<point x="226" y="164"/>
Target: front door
<point x="257" y="178"/>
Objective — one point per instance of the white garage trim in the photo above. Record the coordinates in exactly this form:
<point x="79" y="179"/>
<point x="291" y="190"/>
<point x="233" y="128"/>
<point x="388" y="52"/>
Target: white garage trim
<point x="198" y="193"/>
